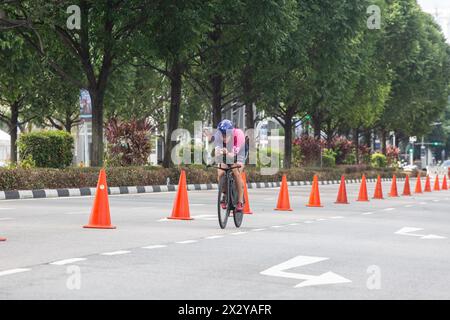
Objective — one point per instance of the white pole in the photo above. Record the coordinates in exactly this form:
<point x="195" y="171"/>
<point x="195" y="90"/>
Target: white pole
<point x="411" y="155"/>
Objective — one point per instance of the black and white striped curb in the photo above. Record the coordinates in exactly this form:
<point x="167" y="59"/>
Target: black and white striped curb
<point x="76" y="192"/>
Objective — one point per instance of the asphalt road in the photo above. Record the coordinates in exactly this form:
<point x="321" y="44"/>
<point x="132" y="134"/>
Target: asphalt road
<point x="355" y="251"/>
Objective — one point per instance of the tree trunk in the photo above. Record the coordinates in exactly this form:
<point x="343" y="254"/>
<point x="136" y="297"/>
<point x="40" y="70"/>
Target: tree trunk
<point x="287" y="141"/>
<point x="317" y="124"/>
<point x="383" y="141"/>
<point x="97" y="98"/>
<point x="14" y="123"/>
<point x="217" y="91"/>
<point x="247" y="89"/>
<point x="174" y="112"/>
<point x="356" y="143"/>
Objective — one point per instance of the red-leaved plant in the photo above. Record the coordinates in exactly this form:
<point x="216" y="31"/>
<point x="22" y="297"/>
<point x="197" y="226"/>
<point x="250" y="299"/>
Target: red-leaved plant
<point x="128" y="141"/>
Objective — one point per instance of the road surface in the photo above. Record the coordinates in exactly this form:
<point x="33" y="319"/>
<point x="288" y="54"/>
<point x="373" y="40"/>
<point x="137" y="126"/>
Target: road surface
<point x="396" y="248"/>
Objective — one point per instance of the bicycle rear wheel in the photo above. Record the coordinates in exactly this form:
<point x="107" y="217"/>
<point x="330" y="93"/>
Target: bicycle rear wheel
<point x="222" y="213"/>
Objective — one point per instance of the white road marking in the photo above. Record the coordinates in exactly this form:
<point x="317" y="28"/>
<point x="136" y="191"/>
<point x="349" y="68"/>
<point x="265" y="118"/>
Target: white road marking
<point x="66" y="261"/>
<point x="5" y="219"/>
<point x="156" y="246"/>
<point x="214" y="237"/>
<point x="337" y="217"/>
<point x="115" y="253"/>
<point x="187" y="241"/>
<point x="409" y="206"/>
<point x="260" y="229"/>
<point x="308" y="221"/>
<point x="436" y="200"/>
<point x="321" y="219"/>
<point x="388" y="209"/>
<point x="275" y="227"/>
<point x="407" y="231"/>
<point x="238" y="233"/>
<point x="423" y="203"/>
<point x="367" y="213"/>
<point x="293" y="224"/>
<point x="279" y="270"/>
<point x="6" y="208"/>
<point x="13" y="271"/>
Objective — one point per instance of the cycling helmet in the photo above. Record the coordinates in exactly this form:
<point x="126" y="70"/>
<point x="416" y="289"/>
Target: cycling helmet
<point x="225" y="125"/>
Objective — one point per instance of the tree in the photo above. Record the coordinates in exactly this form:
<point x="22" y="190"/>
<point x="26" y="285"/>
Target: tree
<point x="101" y="45"/>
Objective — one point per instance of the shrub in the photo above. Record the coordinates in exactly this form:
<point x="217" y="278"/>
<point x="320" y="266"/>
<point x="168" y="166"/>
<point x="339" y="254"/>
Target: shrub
<point x="378" y="160"/>
<point x="392" y="155"/>
<point x="128" y="142"/>
<point x="46" y="149"/>
<point x="342" y="147"/>
<point x="310" y="148"/>
<point x="350" y="158"/>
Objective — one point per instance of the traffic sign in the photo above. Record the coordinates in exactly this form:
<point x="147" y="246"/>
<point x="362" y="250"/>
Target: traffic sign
<point x="412" y="139"/>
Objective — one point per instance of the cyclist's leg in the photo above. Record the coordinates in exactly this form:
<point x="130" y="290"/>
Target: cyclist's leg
<point x="238" y="180"/>
<point x="220" y="174"/>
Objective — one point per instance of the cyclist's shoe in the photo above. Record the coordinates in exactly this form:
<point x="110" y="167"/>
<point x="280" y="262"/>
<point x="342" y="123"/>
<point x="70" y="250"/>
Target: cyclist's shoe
<point x="239" y="207"/>
<point x="223" y="203"/>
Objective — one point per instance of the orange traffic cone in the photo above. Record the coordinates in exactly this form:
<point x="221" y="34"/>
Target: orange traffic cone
<point x="444" y="183"/>
<point x="418" y="184"/>
<point x="314" y="197"/>
<point x="363" y="196"/>
<point x="100" y="216"/>
<point x="180" y="209"/>
<point x="247" y="209"/>
<point x="342" y="194"/>
<point x="436" y="184"/>
<point x="283" y="203"/>
<point x="378" y="189"/>
<point x="394" y="192"/>
<point x="406" y="188"/>
<point x="427" y="184"/>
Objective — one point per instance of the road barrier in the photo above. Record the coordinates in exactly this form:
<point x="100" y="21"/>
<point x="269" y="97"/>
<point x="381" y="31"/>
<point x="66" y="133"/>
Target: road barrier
<point x="427" y="185"/>
<point x="406" y="188"/>
<point x="418" y="185"/>
<point x="444" y="183"/>
<point x="247" y="209"/>
<point x="363" y="196"/>
<point x="436" y="184"/>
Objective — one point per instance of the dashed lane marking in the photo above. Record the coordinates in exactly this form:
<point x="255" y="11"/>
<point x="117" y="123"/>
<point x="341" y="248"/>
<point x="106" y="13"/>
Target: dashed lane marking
<point x="388" y="209"/>
<point x="13" y="271"/>
<point x="337" y="217"/>
<point x="367" y="213"/>
<point x="6" y="219"/>
<point x="187" y="241"/>
<point x="115" y="253"/>
<point x="156" y="246"/>
<point x="238" y="233"/>
<point x="67" y="261"/>
<point x="259" y="229"/>
<point x="213" y="237"/>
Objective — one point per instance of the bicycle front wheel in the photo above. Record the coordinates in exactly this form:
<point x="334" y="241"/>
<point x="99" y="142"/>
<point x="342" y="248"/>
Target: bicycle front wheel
<point x="237" y="216"/>
<point x="222" y="213"/>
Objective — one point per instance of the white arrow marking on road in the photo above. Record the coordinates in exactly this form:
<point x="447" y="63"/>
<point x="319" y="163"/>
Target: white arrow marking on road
<point x="310" y="280"/>
<point x="407" y="231"/>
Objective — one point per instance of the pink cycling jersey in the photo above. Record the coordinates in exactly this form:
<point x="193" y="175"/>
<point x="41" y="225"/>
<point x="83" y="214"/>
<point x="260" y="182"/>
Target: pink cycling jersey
<point x="238" y="141"/>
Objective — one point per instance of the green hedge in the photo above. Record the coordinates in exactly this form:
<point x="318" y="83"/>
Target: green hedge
<point x="46" y="178"/>
<point x="46" y="149"/>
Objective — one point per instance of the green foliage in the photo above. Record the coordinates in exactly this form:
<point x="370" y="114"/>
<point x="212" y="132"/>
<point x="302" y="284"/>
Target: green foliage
<point x="329" y="158"/>
<point x="46" y="149"/>
<point x="378" y="160"/>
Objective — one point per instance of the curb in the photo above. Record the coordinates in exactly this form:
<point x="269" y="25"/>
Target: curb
<point x="76" y="192"/>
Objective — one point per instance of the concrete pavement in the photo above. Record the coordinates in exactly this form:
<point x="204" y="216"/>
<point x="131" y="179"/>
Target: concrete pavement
<point x="365" y="245"/>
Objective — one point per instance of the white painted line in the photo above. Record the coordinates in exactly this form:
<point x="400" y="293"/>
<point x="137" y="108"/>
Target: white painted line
<point x="276" y="227"/>
<point x="337" y="217"/>
<point x="5" y="219"/>
<point x="409" y="206"/>
<point x="67" y="261"/>
<point x="321" y="219"/>
<point x="308" y="221"/>
<point x="260" y="229"/>
<point x="367" y="213"/>
<point x="156" y="246"/>
<point x="6" y="208"/>
<point x="115" y="253"/>
<point x="423" y="203"/>
<point x="238" y="233"/>
<point x="187" y="241"/>
<point x="436" y="200"/>
<point x="12" y="271"/>
<point x="213" y="237"/>
<point x="293" y="224"/>
<point x="388" y="209"/>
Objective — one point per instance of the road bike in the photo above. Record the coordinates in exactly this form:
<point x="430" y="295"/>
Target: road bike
<point x="228" y="185"/>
